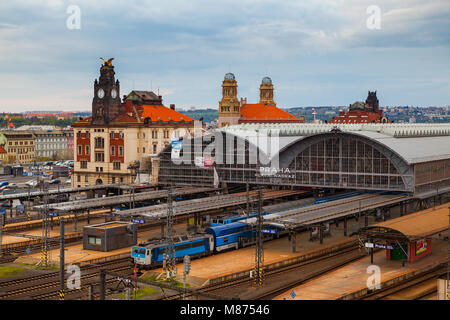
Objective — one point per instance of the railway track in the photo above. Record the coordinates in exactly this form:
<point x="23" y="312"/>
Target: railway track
<point x="417" y="287"/>
<point x="45" y="286"/>
<point x="277" y="277"/>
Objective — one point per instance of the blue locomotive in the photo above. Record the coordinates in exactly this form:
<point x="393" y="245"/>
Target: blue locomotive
<point x="234" y="235"/>
<point x="150" y="254"/>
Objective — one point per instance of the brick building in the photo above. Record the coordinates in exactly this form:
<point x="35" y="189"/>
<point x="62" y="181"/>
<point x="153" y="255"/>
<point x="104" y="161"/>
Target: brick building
<point x="110" y="145"/>
<point x="362" y="112"/>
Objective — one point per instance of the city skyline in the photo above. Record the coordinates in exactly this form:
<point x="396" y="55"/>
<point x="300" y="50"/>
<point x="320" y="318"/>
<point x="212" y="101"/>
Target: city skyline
<point x="317" y="53"/>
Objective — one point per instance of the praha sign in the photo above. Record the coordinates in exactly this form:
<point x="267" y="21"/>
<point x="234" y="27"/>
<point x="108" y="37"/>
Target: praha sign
<point x="276" y="172"/>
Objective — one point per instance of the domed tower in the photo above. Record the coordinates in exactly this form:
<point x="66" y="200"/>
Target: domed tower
<point x="266" y="92"/>
<point x="229" y="106"/>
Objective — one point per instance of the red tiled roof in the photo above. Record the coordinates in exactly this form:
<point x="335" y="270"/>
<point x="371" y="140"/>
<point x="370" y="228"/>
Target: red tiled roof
<point x="125" y="117"/>
<point x="259" y="111"/>
<point x="162" y="113"/>
<point x="357" y="117"/>
<point x="2" y="150"/>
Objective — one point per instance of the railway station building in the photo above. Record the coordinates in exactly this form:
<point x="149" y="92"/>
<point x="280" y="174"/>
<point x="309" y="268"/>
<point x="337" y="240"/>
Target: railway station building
<point x="408" y="158"/>
<point x="408" y="238"/>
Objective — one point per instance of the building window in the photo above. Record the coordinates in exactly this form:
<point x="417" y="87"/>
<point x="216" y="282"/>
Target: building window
<point x="112" y="134"/>
<point x="95" y="240"/>
<point x="120" y="151"/>
<point x="99" y="157"/>
<point x="87" y="150"/>
<point x="154" y="148"/>
<point x="143" y="149"/>
<point x="78" y="178"/>
<point x="166" y="133"/>
<point x="113" y="150"/>
<point x="86" y="178"/>
<point x="137" y="149"/>
<point x="116" y="165"/>
<point x="80" y="149"/>
<point x="154" y="134"/>
<point x="99" y="143"/>
<point x="83" y="164"/>
<point x="113" y="180"/>
<point x="121" y="179"/>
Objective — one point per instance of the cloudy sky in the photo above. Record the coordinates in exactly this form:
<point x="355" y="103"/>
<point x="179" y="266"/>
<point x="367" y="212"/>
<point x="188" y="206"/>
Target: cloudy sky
<point x="316" y="52"/>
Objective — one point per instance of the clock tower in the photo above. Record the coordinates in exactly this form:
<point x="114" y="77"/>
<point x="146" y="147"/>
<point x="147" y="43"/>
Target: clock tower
<point x="106" y="101"/>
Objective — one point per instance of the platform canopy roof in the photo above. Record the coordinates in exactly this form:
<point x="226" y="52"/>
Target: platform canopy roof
<point x="418" y="225"/>
<point x="415" y="143"/>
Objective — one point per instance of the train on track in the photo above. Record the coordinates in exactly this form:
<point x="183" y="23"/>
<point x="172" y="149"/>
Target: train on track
<point x="225" y="233"/>
<point x="234" y="235"/>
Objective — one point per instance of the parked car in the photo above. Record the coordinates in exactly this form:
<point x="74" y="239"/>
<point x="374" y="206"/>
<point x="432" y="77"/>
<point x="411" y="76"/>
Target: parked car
<point x="4" y="183"/>
<point x="55" y="181"/>
<point x="31" y="183"/>
<point x="10" y="186"/>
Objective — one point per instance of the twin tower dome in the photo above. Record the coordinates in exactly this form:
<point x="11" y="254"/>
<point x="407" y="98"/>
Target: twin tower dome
<point x="230" y="76"/>
<point x="229" y="91"/>
<point x="230" y="106"/>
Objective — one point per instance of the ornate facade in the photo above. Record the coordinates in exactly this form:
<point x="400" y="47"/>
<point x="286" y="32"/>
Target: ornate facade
<point x="232" y="111"/>
<point x="112" y="144"/>
<point x="362" y="112"/>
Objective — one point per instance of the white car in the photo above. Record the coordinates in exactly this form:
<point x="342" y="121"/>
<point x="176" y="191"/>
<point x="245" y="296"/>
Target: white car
<point x="31" y="183"/>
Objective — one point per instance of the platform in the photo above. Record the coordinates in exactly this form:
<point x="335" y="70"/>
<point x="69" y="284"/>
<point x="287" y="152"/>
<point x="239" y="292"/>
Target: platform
<point x="76" y="253"/>
<point x="348" y="281"/>
<point x="216" y="268"/>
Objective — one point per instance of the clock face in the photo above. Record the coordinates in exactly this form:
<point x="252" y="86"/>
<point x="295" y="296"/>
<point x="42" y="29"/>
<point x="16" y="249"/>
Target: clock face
<point x="113" y="93"/>
<point x="100" y="93"/>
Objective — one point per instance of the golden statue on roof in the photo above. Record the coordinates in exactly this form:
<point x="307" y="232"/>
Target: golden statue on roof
<point x="107" y="63"/>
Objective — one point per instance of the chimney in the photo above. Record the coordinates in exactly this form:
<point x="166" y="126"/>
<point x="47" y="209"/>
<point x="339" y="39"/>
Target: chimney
<point x="172" y="106"/>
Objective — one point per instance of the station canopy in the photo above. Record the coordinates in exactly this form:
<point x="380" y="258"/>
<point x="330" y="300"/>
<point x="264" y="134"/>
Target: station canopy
<point x="415" y="226"/>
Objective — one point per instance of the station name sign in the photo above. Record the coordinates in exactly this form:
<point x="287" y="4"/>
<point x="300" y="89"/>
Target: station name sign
<point x="379" y="246"/>
<point x="272" y="231"/>
<point x="140" y="221"/>
<point x="276" y="172"/>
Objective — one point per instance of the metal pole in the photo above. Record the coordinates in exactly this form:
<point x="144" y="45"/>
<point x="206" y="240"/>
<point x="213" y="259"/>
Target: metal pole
<point x="371" y="255"/>
<point x="1" y="231"/>
<point x="248" y="200"/>
<point x="294" y="241"/>
<point x="102" y="284"/>
<point x="345" y="226"/>
<point x="321" y="234"/>
<point x="61" y="258"/>
<point x="448" y="259"/>
<point x="91" y="292"/>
